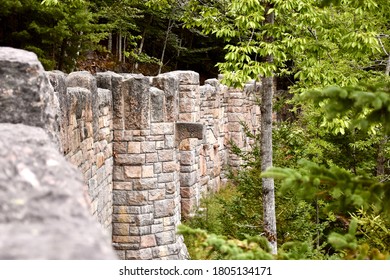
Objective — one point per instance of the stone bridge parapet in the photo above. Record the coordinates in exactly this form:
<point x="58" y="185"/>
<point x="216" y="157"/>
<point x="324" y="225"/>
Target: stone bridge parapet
<point x="147" y="148"/>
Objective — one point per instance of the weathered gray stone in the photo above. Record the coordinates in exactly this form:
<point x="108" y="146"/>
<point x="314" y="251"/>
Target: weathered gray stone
<point x="186" y="130"/>
<point x="169" y="83"/>
<point x="164" y="208"/>
<point x="187" y="77"/>
<point x="188" y="179"/>
<point x="136" y="103"/>
<point x="84" y="79"/>
<point x="43" y="208"/>
<point x="26" y="95"/>
<point x="157" y="104"/>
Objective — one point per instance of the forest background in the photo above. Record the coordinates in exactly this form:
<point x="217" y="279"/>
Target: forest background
<point x="324" y="66"/>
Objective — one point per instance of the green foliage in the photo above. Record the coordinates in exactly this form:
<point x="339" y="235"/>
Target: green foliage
<point x="367" y="107"/>
<point x="207" y="245"/>
<point x="374" y="228"/>
<point x="349" y="247"/>
<point x="57" y="33"/>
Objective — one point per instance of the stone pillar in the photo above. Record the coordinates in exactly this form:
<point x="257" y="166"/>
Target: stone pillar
<point x="146" y="194"/>
<point x="189" y="111"/>
<point x="213" y="152"/>
<point x="86" y="136"/>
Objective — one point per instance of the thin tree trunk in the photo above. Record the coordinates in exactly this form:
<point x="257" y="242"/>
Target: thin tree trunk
<point x="381" y="159"/>
<point x="61" y="57"/>
<point x="110" y="42"/>
<point x="387" y="71"/>
<point x="141" y="45"/>
<point x="170" y="25"/>
<point x="120" y="46"/>
<point x="124" y="49"/>
<point x="269" y="217"/>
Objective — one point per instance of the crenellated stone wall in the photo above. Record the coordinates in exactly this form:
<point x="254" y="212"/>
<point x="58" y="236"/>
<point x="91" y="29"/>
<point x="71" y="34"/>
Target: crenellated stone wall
<point x="148" y="148"/>
<point x="44" y="204"/>
<point x="86" y="138"/>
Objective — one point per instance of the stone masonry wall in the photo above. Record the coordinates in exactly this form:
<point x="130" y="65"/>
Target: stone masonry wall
<point x="43" y="203"/>
<point x="86" y="136"/>
<point x="148" y="148"/>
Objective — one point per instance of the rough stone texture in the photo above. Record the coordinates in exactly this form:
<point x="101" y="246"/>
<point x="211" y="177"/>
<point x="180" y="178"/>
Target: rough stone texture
<point x="43" y="205"/>
<point x="86" y="136"/>
<point x="148" y="147"/>
<point x="26" y="95"/>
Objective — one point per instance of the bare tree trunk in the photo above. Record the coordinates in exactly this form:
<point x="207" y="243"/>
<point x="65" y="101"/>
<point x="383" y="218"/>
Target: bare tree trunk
<point x="381" y="159"/>
<point x="124" y="49"/>
<point x="141" y="45"/>
<point x="269" y="217"/>
<point x="387" y="71"/>
<point x="120" y="46"/>
<point x="170" y="25"/>
<point x="110" y="42"/>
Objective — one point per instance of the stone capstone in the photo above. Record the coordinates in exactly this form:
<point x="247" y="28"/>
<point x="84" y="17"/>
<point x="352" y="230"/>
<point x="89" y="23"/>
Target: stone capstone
<point x="43" y="202"/>
<point x="185" y="130"/>
<point x="26" y="95"/>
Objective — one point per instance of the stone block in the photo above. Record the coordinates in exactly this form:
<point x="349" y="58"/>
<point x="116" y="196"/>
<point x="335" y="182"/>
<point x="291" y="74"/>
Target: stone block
<point x="125" y="239"/>
<point x="136" y="105"/>
<point x="164" y="208"/>
<point x="128" y="186"/>
<point x="132" y="171"/>
<point x="165" y="238"/>
<point x="26" y="95"/>
<point x="123" y="218"/>
<point x="165" y="155"/>
<point x="144" y="220"/>
<point x="188" y="117"/>
<point x="147" y="171"/>
<point x="119" y="197"/>
<point x="186" y="130"/>
<point x="170" y="188"/>
<point x="136" y="198"/>
<point x="187" y="157"/>
<point x="157" y="167"/>
<point x="121" y="229"/>
<point x="157" y="228"/>
<point x="157" y="194"/>
<point x="140" y="230"/>
<point x="148" y="241"/>
<point x="188" y="192"/>
<point x="148" y="147"/>
<point x="143" y="254"/>
<point x="169" y="141"/>
<point x="100" y="160"/>
<point x="151" y="158"/>
<point x="165" y="177"/>
<point x="134" y="147"/>
<point x="189" y="92"/>
<point x="118" y="173"/>
<point x="187" y="105"/>
<point x="170" y="166"/>
<point x="169" y="83"/>
<point x="161" y="128"/>
<point x="157" y="104"/>
<point x="130" y="159"/>
<point x="145" y="184"/>
<point x="187" y="77"/>
<point x="188" y="179"/>
<point x="160" y="252"/>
